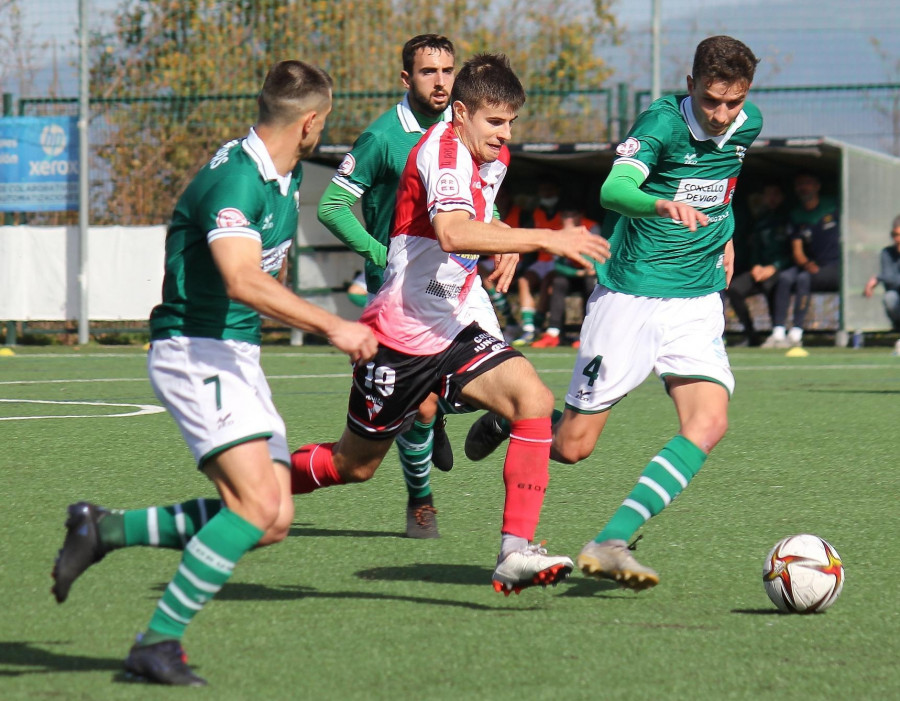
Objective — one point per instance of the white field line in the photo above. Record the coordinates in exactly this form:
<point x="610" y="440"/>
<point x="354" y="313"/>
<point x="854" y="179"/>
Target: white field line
<point x="141" y="409"/>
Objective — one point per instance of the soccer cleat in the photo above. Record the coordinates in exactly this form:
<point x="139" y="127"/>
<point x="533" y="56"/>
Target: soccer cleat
<point x="546" y="341"/>
<point x="441" y="450"/>
<point x="612" y="559"/>
<point x="81" y="548"/>
<point x="530" y="567"/>
<point x="527" y="338"/>
<point x="161" y="663"/>
<point x="485" y="436"/>
<point x="421" y="522"/>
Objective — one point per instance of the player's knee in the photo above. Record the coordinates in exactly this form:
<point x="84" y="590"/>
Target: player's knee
<point x="261" y="508"/>
<point x="535" y="400"/>
<point x="279" y="530"/>
<point x="571" y="449"/>
<point x="707" y="430"/>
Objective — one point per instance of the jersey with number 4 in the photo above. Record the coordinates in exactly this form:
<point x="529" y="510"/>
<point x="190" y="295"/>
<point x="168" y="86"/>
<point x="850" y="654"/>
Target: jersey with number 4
<point x="238" y="193"/>
<point x="657" y="257"/>
<point x="426" y="290"/>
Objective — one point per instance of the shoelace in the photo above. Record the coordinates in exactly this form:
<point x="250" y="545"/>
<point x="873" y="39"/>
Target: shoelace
<point x="421" y="518"/>
<point x="536" y="548"/>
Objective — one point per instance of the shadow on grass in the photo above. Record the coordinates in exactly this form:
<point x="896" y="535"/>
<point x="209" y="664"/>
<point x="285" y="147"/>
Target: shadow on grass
<point x="37" y="660"/>
<point x="303" y="529"/>
<point x="759" y="612"/>
<point x="241" y="591"/>
<point x="430" y="572"/>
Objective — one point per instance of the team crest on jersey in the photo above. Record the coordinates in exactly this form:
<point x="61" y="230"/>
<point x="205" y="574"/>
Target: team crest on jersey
<point x="447" y="184"/>
<point x="374" y="406"/>
<point x="347" y="166"/>
<point x="230" y="217"/>
<point x="629" y="147"/>
<point x="740" y="152"/>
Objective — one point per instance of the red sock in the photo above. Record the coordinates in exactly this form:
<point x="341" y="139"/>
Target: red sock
<point x="312" y="467"/>
<point x="525" y="475"/>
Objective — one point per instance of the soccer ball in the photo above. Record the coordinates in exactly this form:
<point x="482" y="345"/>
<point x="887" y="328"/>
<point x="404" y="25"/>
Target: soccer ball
<point x="803" y="574"/>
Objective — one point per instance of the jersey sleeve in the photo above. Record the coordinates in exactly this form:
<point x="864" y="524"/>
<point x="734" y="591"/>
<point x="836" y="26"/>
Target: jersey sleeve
<point x="231" y="207"/>
<point x="447" y="179"/>
<point x="646" y="142"/>
<point x="335" y="213"/>
<point x="362" y="166"/>
<point x="621" y="192"/>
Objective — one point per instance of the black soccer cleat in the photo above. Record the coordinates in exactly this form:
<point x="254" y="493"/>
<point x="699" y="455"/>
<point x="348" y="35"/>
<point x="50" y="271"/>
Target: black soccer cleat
<point x="441" y="450"/>
<point x="161" y="663"/>
<point x="81" y="548"/>
<point x="485" y="436"/>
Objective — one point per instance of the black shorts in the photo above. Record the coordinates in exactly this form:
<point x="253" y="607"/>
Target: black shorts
<point x="387" y="390"/>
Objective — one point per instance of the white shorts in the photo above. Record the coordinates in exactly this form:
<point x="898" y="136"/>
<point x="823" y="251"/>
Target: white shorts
<point x="217" y="393"/>
<point x="624" y="338"/>
<point x="480" y="310"/>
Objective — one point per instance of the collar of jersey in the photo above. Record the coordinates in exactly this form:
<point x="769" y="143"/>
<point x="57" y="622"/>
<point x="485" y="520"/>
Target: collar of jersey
<point x="699" y="133"/>
<point x="255" y="148"/>
<point x="408" y="119"/>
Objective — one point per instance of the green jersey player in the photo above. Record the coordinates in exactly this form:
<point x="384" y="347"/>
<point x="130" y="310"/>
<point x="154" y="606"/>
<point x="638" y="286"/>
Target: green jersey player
<point x="226" y="243"/>
<point x="657" y="307"/>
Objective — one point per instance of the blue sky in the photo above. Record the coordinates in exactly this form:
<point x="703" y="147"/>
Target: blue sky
<point x="800" y="42"/>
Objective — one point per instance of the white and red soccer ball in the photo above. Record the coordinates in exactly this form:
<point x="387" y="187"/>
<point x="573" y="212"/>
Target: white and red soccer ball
<point x="803" y="574"/>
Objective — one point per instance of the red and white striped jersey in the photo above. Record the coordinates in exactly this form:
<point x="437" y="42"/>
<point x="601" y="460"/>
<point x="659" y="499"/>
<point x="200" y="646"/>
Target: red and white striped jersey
<point x="417" y="308"/>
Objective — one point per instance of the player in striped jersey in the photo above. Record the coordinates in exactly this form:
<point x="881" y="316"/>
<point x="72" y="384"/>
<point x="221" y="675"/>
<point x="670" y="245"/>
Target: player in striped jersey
<point x="370" y="172"/>
<point x="421" y="315"/>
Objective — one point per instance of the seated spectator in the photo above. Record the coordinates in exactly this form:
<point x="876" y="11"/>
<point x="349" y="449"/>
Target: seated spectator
<point x="567" y="277"/>
<point x="815" y="237"/>
<point x="531" y="283"/>
<point x="513" y="214"/>
<point x="768" y="253"/>
<point x="889" y="277"/>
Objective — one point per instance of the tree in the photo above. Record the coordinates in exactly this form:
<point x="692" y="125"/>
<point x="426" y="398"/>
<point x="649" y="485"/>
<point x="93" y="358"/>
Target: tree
<point x="179" y="77"/>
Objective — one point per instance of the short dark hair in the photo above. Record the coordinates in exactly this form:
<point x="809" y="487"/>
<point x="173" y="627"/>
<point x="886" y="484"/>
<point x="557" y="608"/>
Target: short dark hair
<point x="290" y="89"/>
<point x="435" y="42"/>
<point x="488" y="79"/>
<point x="724" y="58"/>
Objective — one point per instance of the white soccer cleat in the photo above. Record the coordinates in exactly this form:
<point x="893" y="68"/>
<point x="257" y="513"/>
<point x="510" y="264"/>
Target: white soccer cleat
<point x="529" y="567"/>
<point x="612" y="559"/>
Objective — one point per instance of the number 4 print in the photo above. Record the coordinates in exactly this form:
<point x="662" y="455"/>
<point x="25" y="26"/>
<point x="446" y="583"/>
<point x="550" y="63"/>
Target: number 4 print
<point x="592" y="370"/>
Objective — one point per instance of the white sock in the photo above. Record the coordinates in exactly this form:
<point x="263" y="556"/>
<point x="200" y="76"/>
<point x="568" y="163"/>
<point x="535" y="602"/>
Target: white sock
<point x="510" y="544"/>
<point x="796" y="334"/>
<point x="552" y="332"/>
<point x="778" y="332"/>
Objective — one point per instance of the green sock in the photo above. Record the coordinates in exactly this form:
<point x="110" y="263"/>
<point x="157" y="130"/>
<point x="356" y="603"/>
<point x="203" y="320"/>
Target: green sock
<point x="498" y="299"/>
<point x="664" y="478"/>
<point x="527" y="319"/>
<point x="158" y="526"/>
<point x="206" y="564"/>
<point x="414" y="448"/>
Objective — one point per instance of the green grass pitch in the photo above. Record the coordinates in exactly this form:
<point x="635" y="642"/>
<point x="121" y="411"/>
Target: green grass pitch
<point x="346" y="608"/>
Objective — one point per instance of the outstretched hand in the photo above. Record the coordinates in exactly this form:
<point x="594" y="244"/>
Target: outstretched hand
<point x="681" y="213"/>
<point x="579" y="245"/>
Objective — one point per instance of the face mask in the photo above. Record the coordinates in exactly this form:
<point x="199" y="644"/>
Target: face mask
<point x="548" y="202"/>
